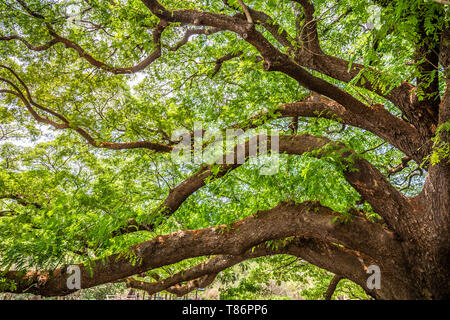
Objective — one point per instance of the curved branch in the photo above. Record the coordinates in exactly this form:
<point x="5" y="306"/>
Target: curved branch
<point x="210" y="267"/>
<point x="367" y="180"/>
<point x="154" y="55"/>
<point x="30" y="103"/>
<point x="285" y="220"/>
<point x="388" y="202"/>
<point x="177" y="289"/>
<point x="101" y="65"/>
<point x="377" y="120"/>
<point x="309" y="34"/>
<point x="43" y="47"/>
<point x="189" y="33"/>
<point x="277" y="61"/>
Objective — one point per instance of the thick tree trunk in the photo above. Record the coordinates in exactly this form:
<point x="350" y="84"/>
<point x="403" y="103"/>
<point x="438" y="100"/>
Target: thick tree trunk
<point x="430" y="257"/>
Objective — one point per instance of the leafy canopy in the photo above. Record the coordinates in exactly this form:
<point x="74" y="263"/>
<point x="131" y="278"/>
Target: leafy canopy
<point x="84" y="194"/>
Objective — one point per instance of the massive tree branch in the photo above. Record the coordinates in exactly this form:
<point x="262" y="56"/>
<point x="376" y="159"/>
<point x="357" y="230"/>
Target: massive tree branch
<point x="365" y="178"/>
<point x="311" y="56"/>
<point x="377" y="120"/>
<point x="285" y="220"/>
<point x="277" y="61"/>
<point x="203" y="274"/>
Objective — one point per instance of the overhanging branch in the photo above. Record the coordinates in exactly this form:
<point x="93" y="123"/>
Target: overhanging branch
<point x="285" y="220"/>
<point x="395" y="208"/>
<point x="64" y="123"/>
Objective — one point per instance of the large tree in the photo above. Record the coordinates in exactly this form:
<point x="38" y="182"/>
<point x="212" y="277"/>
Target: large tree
<point x="356" y="90"/>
